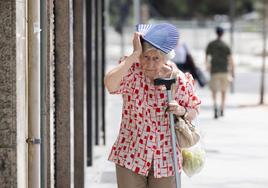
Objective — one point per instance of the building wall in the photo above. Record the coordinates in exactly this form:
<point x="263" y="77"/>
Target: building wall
<point x="62" y="168"/>
<point x="8" y="167"/>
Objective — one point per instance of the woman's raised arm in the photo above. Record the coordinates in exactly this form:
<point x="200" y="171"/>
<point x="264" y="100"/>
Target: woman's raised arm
<point x="113" y="78"/>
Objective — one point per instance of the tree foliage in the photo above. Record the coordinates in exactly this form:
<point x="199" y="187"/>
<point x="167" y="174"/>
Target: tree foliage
<point x="121" y="11"/>
<point x="198" y="8"/>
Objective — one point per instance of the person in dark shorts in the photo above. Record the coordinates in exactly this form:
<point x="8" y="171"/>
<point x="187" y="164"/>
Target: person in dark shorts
<point x="219" y="63"/>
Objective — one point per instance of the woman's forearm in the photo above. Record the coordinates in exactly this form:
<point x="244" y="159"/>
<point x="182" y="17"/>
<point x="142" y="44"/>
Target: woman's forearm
<point x="113" y="78"/>
<point x="181" y="111"/>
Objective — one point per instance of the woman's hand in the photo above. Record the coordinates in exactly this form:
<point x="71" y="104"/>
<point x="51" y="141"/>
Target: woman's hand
<point x="137" y="48"/>
<point x="175" y="108"/>
<point x="114" y="77"/>
<point x="165" y="71"/>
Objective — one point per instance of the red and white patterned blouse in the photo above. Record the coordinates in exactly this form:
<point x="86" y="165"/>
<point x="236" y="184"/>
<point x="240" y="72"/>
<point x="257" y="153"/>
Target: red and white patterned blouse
<point x="144" y="137"/>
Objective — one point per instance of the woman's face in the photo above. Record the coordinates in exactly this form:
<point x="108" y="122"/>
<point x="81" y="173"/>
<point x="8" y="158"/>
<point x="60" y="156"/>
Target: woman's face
<point x="152" y="61"/>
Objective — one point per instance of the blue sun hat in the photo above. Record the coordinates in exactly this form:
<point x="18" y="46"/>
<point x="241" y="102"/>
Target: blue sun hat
<point x="162" y="36"/>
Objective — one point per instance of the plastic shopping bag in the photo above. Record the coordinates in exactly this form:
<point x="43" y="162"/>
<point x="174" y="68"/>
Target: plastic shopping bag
<point x="193" y="160"/>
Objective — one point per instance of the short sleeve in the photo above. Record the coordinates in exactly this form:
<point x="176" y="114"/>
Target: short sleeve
<point x="185" y="93"/>
<point x="208" y="49"/>
<point x="228" y="50"/>
<point x="126" y="81"/>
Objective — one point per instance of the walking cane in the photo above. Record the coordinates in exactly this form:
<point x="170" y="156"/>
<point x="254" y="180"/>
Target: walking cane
<point x="168" y="82"/>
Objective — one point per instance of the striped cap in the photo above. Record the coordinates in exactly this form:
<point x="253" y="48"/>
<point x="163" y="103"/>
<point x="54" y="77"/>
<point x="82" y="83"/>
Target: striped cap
<point x="162" y="36"/>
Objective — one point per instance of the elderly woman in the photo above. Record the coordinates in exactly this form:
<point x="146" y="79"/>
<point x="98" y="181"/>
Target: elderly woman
<point x="143" y="152"/>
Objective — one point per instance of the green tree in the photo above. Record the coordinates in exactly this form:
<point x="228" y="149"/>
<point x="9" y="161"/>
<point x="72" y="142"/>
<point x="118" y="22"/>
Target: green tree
<point x="194" y="8"/>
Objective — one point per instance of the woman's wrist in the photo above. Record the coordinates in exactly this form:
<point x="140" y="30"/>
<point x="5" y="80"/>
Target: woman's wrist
<point x="130" y="60"/>
<point x="183" y="113"/>
<point x="136" y="54"/>
<point x="134" y="57"/>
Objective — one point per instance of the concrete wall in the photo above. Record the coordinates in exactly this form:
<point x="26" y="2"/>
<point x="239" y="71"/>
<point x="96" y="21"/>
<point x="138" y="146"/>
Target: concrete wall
<point x="69" y="167"/>
<point x="8" y="129"/>
<point x="79" y="102"/>
<point x="69" y="93"/>
<point x="63" y="92"/>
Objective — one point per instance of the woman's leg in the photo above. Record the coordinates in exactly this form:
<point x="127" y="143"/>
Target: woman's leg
<point x="165" y="182"/>
<point x="129" y="179"/>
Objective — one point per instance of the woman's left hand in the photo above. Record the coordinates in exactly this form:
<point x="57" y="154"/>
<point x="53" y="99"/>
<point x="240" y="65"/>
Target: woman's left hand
<point x="137" y="48"/>
<point x="175" y="108"/>
<point x="165" y="71"/>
